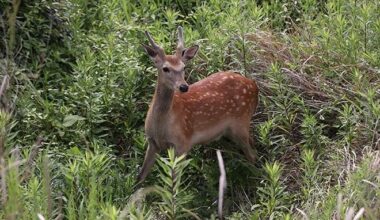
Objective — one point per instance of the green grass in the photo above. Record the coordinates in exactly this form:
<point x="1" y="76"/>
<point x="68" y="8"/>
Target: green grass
<point x="72" y="115"/>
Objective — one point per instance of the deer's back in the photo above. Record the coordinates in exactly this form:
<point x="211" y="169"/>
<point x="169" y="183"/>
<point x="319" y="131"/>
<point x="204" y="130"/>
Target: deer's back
<point x="213" y="103"/>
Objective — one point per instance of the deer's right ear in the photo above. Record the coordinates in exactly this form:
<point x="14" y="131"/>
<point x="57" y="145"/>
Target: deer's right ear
<point x="189" y="53"/>
<point x="150" y="51"/>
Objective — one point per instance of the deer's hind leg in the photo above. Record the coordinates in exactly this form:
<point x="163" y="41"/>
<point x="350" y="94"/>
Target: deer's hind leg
<point x="240" y="135"/>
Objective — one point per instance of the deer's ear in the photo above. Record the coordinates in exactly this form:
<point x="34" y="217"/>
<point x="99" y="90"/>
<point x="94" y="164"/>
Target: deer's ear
<point x="150" y="51"/>
<point x="189" y="53"/>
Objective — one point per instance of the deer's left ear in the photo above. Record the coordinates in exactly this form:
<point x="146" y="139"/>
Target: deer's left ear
<point x="189" y="53"/>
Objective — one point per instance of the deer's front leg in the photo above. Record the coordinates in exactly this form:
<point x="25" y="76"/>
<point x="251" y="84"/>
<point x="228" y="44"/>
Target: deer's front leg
<point x="182" y="147"/>
<point x="150" y="157"/>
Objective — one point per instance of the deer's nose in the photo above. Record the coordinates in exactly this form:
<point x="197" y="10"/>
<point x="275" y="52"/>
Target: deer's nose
<point x="183" y="88"/>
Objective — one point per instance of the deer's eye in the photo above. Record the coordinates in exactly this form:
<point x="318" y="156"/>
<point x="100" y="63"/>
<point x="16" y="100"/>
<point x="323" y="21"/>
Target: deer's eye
<point x="165" y="69"/>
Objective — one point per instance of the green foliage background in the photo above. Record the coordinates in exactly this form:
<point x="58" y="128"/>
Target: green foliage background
<point x="80" y="84"/>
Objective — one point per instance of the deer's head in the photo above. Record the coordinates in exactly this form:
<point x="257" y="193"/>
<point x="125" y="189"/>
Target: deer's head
<point x="171" y="68"/>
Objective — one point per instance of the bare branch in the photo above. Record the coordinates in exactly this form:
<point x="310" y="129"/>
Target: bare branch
<point x="305" y="217"/>
<point x="4" y="193"/>
<point x="338" y="205"/>
<point x="222" y="183"/>
<point x="4" y="85"/>
<point x="359" y="214"/>
<point x="349" y="214"/>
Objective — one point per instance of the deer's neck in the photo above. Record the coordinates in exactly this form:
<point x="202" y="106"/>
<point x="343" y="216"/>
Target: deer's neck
<point x="162" y="101"/>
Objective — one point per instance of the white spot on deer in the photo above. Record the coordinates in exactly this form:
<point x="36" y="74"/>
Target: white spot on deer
<point x="236" y="96"/>
<point x="243" y="103"/>
<point x="244" y="91"/>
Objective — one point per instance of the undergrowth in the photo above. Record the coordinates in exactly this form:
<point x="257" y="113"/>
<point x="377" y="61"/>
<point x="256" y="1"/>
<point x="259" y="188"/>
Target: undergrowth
<point x="76" y="84"/>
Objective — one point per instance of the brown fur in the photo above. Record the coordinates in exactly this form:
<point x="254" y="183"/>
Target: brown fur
<point x="219" y="105"/>
<point x="172" y="59"/>
<point x="221" y="97"/>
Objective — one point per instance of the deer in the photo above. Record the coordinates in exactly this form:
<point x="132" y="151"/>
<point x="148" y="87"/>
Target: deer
<point x="182" y="115"/>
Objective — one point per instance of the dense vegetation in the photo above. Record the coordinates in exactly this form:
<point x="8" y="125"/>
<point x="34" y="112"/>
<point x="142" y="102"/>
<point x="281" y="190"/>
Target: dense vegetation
<point x="76" y="85"/>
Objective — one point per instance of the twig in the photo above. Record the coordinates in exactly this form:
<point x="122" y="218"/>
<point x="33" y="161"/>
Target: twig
<point x="305" y="217"/>
<point x="4" y="193"/>
<point x="375" y="133"/>
<point x="370" y="183"/>
<point x="349" y="214"/>
<point x="304" y="63"/>
<point x="338" y="206"/>
<point x="12" y="25"/>
<point x="359" y="214"/>
<point x="4" y="85"/>
<point x="222" y="183"/>
<point x="40" y="216"/>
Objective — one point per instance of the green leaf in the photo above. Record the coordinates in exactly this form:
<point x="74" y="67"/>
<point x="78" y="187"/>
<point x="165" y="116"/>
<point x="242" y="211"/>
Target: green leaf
<point x="74" y="151"/>
<point x="69" y="120"/>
